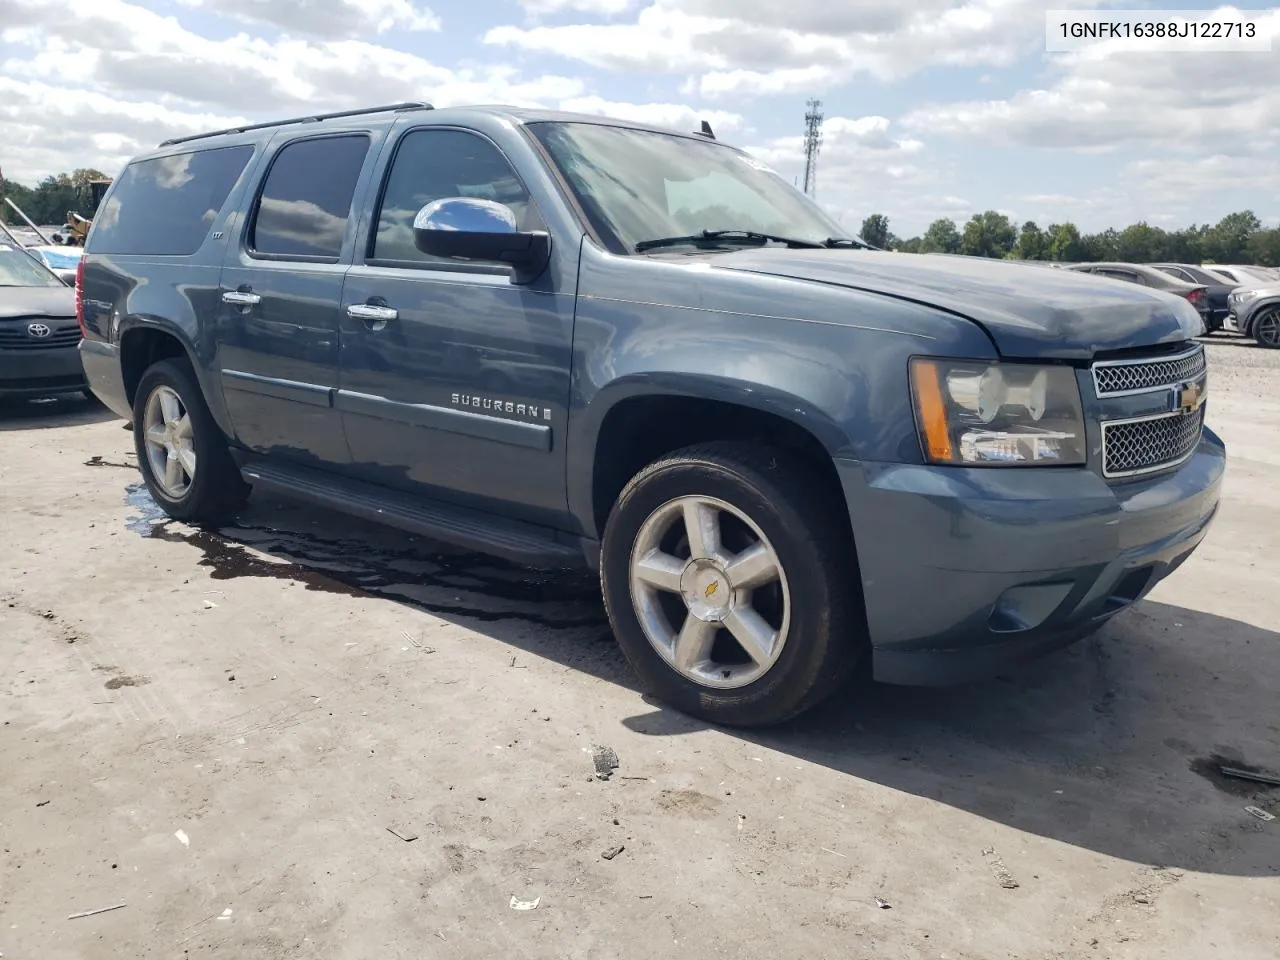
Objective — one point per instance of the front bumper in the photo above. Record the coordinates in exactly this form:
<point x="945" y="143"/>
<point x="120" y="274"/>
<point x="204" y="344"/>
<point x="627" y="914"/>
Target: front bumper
<point x="38" y="373"/>
<point x="967" y="571"/>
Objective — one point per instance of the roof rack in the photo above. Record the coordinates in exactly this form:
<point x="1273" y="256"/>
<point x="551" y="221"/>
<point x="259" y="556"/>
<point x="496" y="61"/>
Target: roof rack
<point x="396" y="107"/>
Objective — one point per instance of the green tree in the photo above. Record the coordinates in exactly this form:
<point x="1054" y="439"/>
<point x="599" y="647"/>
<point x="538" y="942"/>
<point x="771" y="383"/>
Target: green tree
<point x="1065" y="245"/>
<point x="875" y="230"/>
<point x="1100" y="246"/>
<point x="1142" y="243"/>
<point x="912" y="245"/>
<point x="1264" y="247"/>
<point x="941" y="237"/>
<point x="1033" y="243"/>
<point x="988" y="234"/>
<point x="1227" y="241"/>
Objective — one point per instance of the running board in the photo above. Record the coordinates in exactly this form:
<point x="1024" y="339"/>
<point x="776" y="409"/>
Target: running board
<point x="523" y="543"/>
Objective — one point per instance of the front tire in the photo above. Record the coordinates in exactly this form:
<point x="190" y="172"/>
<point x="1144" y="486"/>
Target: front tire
<point x="730" y="580"/>
<point x="1266" y="328"/>
<point x="182" y="454"/>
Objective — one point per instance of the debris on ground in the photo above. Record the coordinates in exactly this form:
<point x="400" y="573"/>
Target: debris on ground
<point x="1004" y="876"/>
<point x="1260" y="814"/>
<point x="405" y="835"/>
<point x="883" y="904"/>
<point x="1253" y="775"/>
<point x="94" y="913"/>
<point x="605" y="759"/>
<point x="613" y="852"/>
<point x="182" y="837"/>
<point x="209" y="604"/>
<point x="518" y="904"/>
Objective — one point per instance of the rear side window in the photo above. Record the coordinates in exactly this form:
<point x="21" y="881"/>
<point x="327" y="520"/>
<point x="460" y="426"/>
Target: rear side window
<point x="306" y="199"/>
<point x="166" y="206"/>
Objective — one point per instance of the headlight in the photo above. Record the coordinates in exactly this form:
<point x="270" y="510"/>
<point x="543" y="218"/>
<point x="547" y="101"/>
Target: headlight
<point x="1244" y="296"/>
<point x="997" y="414"/>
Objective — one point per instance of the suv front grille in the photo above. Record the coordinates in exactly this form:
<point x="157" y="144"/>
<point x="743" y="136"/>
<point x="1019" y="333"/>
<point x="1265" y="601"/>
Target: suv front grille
<point x="1132" y="447"/>
<point x="1118" y="377"/>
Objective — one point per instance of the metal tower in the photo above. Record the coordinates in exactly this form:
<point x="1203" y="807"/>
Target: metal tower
<point x="812" y="144"/>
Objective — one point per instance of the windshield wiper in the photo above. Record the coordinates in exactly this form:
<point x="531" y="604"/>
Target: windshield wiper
<point x="705" y="235"/>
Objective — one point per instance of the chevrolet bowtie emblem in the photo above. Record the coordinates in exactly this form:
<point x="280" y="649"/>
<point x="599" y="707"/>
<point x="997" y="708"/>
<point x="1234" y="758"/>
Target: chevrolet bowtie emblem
<point x="711" y="589"/>
<point x="1188" y="397"/>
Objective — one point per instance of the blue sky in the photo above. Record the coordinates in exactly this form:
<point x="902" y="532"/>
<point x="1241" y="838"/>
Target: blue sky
<point x="935" y="107"/>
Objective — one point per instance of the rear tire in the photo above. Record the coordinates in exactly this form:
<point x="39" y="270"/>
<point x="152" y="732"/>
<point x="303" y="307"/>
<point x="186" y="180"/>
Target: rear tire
<point x="779" y="571"/>
<point x="182" y="454"/>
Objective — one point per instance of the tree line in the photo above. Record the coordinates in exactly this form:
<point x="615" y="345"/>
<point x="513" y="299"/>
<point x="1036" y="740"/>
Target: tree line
<point x="1236" y="238"/>
<point x="49" y="201"/>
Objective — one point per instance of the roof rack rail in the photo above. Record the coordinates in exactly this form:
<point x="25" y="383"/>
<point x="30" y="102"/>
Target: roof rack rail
<point x="387" y="108"/>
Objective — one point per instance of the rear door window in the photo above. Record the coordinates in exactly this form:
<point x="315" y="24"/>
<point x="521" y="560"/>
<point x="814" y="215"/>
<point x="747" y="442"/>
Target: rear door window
<point x="167" y="206"/>
<point x="306" y="200"/>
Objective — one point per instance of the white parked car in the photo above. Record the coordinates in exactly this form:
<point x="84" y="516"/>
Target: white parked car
<point x="61" y="260"/>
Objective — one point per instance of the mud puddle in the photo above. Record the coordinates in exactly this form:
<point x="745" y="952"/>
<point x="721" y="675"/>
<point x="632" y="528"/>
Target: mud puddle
<point x="448" y="584"/>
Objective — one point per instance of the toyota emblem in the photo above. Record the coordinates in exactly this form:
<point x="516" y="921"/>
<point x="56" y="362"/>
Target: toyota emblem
<point x="38" y="330"/>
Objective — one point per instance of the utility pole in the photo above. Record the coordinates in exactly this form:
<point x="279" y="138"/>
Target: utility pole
<point x="812" y="144"/>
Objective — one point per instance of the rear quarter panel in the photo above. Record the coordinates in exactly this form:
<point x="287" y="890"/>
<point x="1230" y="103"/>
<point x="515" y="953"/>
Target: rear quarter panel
<point x="178" y="295"/>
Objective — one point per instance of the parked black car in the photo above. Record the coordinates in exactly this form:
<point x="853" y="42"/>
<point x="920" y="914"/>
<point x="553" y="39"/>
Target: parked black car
<point x="38" y="329"/>
<point x="1218" y="289"/>
<point x="1149" y="276"/>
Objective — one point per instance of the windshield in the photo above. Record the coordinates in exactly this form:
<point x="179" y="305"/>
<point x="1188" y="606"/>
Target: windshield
<point x="637" y="186"/>
<point x="60" y="259"/>
<point x="20" y="269"/>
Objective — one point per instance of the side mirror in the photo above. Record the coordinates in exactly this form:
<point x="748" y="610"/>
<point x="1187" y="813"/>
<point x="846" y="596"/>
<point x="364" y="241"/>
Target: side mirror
<point x="469" y="228"/>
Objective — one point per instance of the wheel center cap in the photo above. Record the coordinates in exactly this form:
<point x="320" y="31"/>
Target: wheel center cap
<point x="706" y="591"/>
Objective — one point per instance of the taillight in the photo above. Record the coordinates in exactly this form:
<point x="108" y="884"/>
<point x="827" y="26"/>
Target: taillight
<point x="84" y="332"/>
<point x="1196" y="297"/>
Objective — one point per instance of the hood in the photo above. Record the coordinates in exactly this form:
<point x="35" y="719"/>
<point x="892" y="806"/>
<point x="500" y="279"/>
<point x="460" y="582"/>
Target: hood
<point x="37" y="302"/>
<point x="1027" y="310"/>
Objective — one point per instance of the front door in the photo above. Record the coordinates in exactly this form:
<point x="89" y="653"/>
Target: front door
<point x="278" y="326"/>
<point x="455" y="381"/>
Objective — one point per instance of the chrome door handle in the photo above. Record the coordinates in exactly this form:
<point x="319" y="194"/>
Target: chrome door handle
<point x="372" y="313"/>
<point x="241" y="298"/>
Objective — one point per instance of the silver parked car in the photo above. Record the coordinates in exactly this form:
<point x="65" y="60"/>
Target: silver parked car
<point x="1255" y="312"/>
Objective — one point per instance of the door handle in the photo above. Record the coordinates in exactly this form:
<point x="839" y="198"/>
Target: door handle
<point x="372" y="313"/>
<point x="241" y="298"/>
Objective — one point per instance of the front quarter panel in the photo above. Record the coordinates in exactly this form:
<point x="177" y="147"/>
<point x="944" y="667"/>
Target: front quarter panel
<point x="831" y="360"/>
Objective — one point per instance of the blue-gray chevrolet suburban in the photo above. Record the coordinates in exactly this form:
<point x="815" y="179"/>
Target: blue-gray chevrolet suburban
<point x="566" y="340"/>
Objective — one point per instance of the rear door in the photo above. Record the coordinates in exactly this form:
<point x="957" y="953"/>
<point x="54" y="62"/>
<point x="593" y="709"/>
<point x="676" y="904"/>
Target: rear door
<point x="278" y="311"/>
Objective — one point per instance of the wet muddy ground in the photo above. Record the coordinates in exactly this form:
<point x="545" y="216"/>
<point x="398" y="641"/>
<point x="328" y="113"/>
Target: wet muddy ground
<point x="306" y="736"/>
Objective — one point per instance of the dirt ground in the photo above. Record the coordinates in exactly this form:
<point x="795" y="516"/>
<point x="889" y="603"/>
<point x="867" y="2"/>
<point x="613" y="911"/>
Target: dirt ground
<point x="220" y="732"/>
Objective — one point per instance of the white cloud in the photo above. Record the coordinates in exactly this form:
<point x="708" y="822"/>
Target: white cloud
<point x="863" y="168"/>
<point x="677" y="116"/>
<point x="750" y="47"/>
<point x="334" y="19"/>
<point x="1107" y="97"/>
<point x="604" y="7"/>
<point x="156" y="56"/>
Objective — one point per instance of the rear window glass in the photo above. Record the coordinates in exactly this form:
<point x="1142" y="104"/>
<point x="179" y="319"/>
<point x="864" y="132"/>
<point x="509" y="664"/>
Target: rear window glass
<point x="306" y="199"/>
<point x="166" y="206"/>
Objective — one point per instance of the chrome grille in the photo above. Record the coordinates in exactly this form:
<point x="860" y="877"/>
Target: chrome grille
<point x="1117" y="377"/>
<point x="1148" y="444"/>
